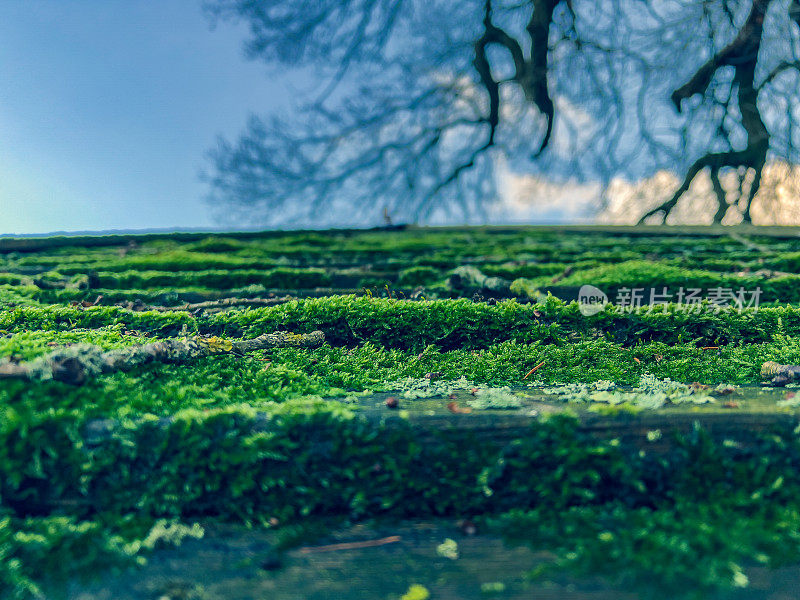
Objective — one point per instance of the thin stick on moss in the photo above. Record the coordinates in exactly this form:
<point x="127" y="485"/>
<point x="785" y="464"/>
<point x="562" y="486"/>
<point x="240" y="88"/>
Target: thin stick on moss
<point x="533" y="370"/>
<point x="351" y="545"/>
<point x="76" y="364"/>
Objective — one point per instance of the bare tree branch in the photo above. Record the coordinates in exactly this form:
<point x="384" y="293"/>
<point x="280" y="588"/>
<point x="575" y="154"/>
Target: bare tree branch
<point x="419" y="106"/>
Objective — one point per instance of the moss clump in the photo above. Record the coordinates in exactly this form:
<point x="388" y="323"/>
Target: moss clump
<point x="494" y="399"/>
<point x="651" y="393"/>
<point x="526" y="288"/>
<point x="216" y="244"/>
<point x="416" y="276"/>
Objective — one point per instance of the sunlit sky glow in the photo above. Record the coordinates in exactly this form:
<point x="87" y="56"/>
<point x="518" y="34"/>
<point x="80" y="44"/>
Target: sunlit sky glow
<point x="107" y="108"/>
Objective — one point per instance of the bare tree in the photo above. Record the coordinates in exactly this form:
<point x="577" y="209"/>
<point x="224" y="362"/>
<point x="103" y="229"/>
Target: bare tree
<point x="741" y="59"/>
<point x="417" y="103"/>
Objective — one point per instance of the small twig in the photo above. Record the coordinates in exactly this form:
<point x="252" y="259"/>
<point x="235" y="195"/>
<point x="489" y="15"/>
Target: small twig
<point x="532" y="371"/>
<point x="710" y="348"/>
<point x="351" y="545"/>
<point x="454" y="408"/>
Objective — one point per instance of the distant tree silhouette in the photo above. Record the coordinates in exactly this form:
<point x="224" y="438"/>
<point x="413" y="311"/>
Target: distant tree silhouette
<point x="418" y="102"/>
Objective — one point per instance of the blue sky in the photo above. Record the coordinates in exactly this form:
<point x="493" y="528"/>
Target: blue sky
<point x="107" y="108"/>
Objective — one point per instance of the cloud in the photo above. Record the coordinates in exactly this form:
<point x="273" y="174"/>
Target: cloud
<point x="532" y="199"/>
<point x="777" y="201"/>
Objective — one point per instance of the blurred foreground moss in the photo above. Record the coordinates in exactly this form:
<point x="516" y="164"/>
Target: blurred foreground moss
<point x="686" y="523"/>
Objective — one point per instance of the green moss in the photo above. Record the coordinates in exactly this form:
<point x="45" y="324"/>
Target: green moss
<point x="177" y="260"/>
<point x="718" y="514"/>
<point x="279" y="277"/>
<point x="416" y="276"/>
<point x="66" y="318"/>
<point x="463" y="324"/>
<point x="602" y="507"/>
<point x="655" y="275"/>
<point x="27" y="345"/>
<point x="277" y="375"/>
<point x="216" y="244"/>
<point x="88" y="473"/>
<point x="525" y="288"/>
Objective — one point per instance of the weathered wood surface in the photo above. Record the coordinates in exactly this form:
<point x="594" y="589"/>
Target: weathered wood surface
<point x="239" y="563"/>
<point x="652" y="430"/>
